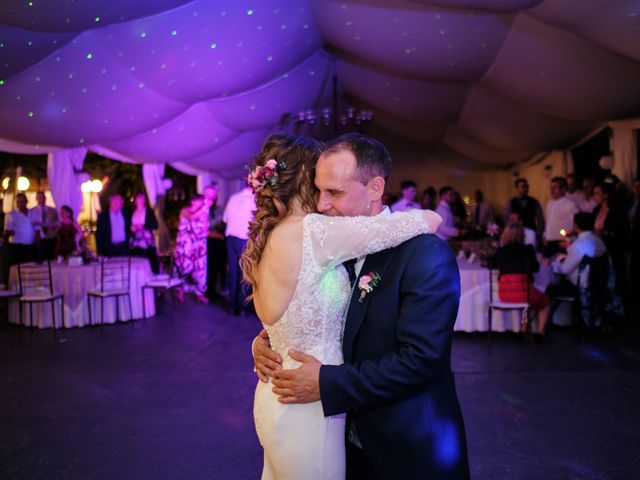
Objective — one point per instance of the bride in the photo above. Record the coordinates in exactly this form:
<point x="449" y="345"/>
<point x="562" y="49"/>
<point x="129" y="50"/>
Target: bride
<point x="301" y="292"/>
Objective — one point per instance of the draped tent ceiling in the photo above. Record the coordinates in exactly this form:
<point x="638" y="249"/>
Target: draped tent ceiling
<point x="199" y="84"/>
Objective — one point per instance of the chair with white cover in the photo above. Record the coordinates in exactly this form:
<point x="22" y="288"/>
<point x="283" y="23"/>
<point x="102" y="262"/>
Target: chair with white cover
<point x="162" y="282"/>
<point x="496" y="304"/>
<point x="114" y="282"/>
<point x="36" y="286"/>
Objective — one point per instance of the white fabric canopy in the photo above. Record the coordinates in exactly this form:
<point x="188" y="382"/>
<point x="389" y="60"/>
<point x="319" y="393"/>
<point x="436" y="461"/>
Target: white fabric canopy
<point x="62" y="171"/>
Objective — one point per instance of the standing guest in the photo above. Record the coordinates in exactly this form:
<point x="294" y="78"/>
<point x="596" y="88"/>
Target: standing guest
<point x="447" y="228"/>
<point x="528" y="207"/>
<point x="588" y="203"/>
<point x="573" y="192"/>
<point x="69" y="234"/>
<point x="611" y="225"/>
<point x="560" y="212"/>
<point x="481" y="212"/>
<point x="216" y="248"/>
<point x="191" y="248"/>
<point x="428" y="199"/>
<point x="45" y="223"/>
<point x="458" y="210"/>
<point x="238" y="215"/>
<point x="408" y="200"/>
<point x="1" y="218"/>
<point x="634" y="217"/>
<point x="20" y="232"/>
<point x="143" y="224"/>
<point x="517" y="263"/>
<point x="112" y="232"/>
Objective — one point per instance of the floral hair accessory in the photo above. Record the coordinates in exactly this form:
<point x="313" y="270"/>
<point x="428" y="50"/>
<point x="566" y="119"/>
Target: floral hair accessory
<point x="367" y="283"/>
<point x="260" y="176"/>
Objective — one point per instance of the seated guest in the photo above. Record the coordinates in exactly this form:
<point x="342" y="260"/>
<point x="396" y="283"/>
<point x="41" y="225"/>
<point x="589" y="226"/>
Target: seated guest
<point x="112" y="233"/>
<point x="586" y="244"/>
<point x="69" y="234"/>
<point x="408" y="200"/>
<point x="530" y="237"/>
<point x="516" y="263"/>
<point x="560" y="212"/>
<point x="447" y="228"/>
<point x="20" y="232"/>
<point x="143" y="224"/>
<point x="481" y="212"/>
<point x="45" y="224"/>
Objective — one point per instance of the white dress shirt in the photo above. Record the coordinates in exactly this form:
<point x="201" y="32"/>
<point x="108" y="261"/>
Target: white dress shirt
<point x="402" y="205"/>
<point x="560" y="214"/>
<point x="446" y="229"/>
<point x="118" y="233"/>
<point x="586" y="245"/>
<point x="530" y="238"/>
<point x="238" y="214"/>
<point x="50" y="215"/>
<point x="20" y="223"/>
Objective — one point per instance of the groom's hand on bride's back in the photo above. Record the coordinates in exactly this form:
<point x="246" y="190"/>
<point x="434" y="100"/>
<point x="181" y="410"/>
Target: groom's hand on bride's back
<point x="266" y="361"/>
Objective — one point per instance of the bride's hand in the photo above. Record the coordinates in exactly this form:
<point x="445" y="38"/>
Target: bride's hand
<point x="266" y="361"/>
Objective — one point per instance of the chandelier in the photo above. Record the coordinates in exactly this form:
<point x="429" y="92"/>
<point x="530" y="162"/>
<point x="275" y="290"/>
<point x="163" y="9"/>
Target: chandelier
<point x="328" y="121"/>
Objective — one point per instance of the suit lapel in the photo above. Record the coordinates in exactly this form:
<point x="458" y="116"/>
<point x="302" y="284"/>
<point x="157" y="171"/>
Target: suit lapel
<point x="378" y="263"/>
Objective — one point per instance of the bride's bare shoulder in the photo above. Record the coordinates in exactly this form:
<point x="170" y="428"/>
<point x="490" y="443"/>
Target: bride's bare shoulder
<point x="287" y="232"/>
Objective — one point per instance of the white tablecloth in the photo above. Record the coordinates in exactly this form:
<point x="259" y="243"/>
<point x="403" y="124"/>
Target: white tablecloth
<point x="74" y="283"/>
<point x="473" y="314"/>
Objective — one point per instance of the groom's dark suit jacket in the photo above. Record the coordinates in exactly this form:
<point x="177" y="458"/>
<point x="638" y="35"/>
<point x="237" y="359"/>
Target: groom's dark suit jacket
<point x="396" y="384"/>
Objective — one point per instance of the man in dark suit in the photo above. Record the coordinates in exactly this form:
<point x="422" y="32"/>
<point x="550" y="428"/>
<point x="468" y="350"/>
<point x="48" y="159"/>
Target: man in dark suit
<point x="114" y="229"/>
<point x="396" y="385"/>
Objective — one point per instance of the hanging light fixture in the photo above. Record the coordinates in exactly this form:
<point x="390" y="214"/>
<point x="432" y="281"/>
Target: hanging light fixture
<point x="23" y="184"/>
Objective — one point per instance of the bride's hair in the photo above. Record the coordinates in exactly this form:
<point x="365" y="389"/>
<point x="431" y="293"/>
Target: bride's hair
<point x="296" y="158"/>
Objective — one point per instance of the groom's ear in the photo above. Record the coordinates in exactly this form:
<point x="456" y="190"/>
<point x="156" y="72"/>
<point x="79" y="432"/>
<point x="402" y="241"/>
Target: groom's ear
<point x="376" y="188"/>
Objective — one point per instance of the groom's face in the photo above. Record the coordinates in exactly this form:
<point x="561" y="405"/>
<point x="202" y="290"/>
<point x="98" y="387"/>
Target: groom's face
<point x="341" y="194"/>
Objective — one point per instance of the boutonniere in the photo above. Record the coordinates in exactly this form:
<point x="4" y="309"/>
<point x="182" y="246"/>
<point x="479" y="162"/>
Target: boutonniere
<point x="367" y="283"/>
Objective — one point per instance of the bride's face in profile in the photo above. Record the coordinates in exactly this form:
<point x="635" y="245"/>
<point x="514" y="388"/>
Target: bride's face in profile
<point x="340" y="193"/>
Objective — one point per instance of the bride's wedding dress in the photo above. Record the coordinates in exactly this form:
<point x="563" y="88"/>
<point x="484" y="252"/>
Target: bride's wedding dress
<point x="299" y="441"/>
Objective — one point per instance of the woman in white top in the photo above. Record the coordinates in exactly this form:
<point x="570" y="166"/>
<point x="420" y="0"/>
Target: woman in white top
<point x="301" y="291"/>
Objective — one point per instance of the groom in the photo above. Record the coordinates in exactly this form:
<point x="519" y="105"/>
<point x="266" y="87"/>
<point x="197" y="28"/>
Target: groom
<point x="396" y="385"/>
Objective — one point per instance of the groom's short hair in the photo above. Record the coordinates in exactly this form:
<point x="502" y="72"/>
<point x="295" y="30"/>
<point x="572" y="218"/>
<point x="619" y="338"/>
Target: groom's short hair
<point x="372" y="158"/>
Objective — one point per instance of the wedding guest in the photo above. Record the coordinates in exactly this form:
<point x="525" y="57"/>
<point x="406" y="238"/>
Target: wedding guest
<point x="191" y="248"/>
<point x="573" y="191"/>
<point x="530" y="237"/>
<point x="559" y="218"/>
<point x="528" y="207"/>
<point x="20" y="233"/>
<point x="238" y="214"/>
<point x="634" y="216"/>
<point x="612" y="226"/>
<point x="69" y="234"/>
<point x="216" y="247"/>
<point x="408" y="200"/>
<point x="588" y="203"/>
<point x="45" y="223"/>
<point x="481" y="212"/>
<point x="428" y="199"/>
<point x="112" y="233"/>
<point x="2" y="219"/>
<point x="447" y="228"/>
<point x="458" y="210"/>
<point x="517" y="263"/>
<point x="586" y="244"/>
<point x="143" y="224"/>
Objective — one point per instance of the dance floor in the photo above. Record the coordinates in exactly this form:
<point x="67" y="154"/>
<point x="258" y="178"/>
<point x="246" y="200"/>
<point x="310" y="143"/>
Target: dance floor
<point x="170" y="398"/>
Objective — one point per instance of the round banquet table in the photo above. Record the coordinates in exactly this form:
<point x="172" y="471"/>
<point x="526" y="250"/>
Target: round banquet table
<point x="74" y="282"/>
<point x="473" y="313"/>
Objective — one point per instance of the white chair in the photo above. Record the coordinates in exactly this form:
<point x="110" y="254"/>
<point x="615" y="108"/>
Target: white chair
<point x="36" y="286"/>
<point x="161" y="282"/>
<point x="114" y="282"/>
<point x="496" y="304"/>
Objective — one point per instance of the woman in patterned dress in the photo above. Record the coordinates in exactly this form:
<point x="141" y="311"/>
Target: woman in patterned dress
<point x="191" y="248"/>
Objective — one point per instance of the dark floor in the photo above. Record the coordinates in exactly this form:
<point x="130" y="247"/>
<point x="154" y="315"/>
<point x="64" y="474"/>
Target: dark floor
<point x="170" y="398"/>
